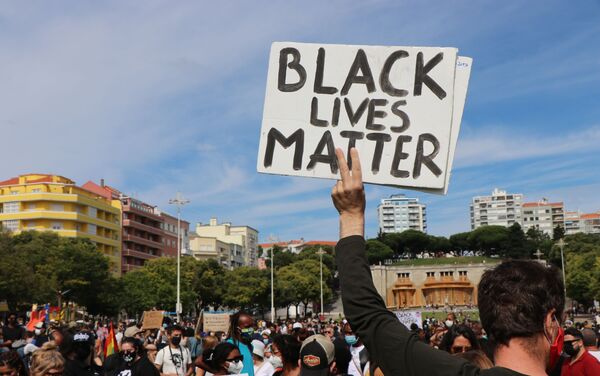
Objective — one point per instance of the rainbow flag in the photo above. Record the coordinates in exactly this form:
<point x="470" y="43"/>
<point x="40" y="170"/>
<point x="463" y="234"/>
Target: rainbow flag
<point x="110" y="345"/>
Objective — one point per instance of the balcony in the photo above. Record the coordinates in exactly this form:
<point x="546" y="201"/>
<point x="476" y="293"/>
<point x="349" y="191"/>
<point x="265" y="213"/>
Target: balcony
<point x="138" y="254"/>
<point x="137" y="239"/>
<point x="141" y="226"/>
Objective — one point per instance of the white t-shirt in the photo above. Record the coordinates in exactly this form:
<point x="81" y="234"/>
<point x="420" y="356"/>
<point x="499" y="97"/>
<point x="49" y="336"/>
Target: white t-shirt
<point x="265" y="369"/>
<point x="354" y="366"/>
<point x="173" y="360"/>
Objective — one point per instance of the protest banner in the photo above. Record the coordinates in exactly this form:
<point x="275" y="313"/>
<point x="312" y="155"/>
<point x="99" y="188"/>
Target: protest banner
<point x="407" y="318"/>
<point x="215" y="322"/>
<point x="394" y="104"/>
<point x="152" y="320"/>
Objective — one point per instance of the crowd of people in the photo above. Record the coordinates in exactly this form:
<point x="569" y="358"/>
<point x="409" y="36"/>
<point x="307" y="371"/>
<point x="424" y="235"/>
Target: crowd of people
<point x="521" y="331"/>
<point x="251" y="347"/>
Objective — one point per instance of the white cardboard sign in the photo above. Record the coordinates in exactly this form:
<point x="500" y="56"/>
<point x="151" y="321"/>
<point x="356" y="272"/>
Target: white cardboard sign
<point x="396" y="105"/>
<point x="407" y="318"/>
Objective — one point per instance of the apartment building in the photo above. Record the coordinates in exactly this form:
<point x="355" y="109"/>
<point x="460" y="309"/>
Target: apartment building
<point x="543" y="215"/>
<point x="46" y="202"/>
<point x="399" y="213"/>
<point x="500" y="208"/>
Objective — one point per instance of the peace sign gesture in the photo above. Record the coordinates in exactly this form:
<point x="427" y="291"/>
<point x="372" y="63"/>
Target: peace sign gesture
<point x="349" y="195"/>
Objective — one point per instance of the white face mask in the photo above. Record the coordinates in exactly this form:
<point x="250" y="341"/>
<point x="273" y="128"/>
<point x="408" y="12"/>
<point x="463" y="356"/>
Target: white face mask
<point x="449" y="323"/>
<point x="38" y="332"/>
<point x="276" y="361"/>
<point x="235" y="367"/>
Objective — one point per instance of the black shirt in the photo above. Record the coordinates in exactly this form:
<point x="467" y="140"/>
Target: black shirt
<point x="392" y="346"/>
<point x="77" y="368"/>
<point x="12" y="334"/>
<point x="115" y="366"/>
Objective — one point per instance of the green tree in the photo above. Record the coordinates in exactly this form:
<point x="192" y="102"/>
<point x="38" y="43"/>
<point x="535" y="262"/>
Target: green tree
<point x="488" y="239"/>
<point x="460" y="241"/>
<point x="558" y="233"/>
<point x="517" y="245"/>
<point x="378" y="251"/>
<point x="247" y="288"/>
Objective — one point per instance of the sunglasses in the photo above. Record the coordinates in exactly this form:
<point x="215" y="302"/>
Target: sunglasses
<point x="460" y="349"/>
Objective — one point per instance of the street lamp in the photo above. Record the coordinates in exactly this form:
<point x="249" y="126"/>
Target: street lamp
<point x="264" y="255"/>
<point x="179" y="201"/>
<point x="321" y="253"/>
<point x="561" y="243"/>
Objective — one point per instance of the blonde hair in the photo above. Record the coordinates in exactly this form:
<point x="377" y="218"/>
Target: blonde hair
<point x="209" y="342"/>
<point x="476" y="357"/>
<point x="45" y="359"/>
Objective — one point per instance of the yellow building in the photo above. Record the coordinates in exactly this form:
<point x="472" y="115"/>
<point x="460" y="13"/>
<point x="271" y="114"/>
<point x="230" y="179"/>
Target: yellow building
<point x="54" y="203"/>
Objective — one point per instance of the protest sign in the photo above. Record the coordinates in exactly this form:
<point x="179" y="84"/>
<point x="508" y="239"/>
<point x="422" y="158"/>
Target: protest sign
<point x="410" y="317"/>
<point x="215" y="322"/>
<point x="152" y="320"/>
<point x="394" y="104"/>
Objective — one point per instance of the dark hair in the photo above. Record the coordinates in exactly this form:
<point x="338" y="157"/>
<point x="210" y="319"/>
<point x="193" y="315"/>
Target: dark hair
<point x="589" y="337"/>
<point x="457" y="331"/>
<point x="173" y="328"/>
<point x="79" y="346"/>
<point x="13" y="360"/>
<point x="139" y="349"/>
<point x="343" y="357"/>
<point x="216" y="357"/>
<point x="234" y="323"/>
<point x="289" y="346"/>
<point x="573" y="332"/>
<point x="515" y="297"/>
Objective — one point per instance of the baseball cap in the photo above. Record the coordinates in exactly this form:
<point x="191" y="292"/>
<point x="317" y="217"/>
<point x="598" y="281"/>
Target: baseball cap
<point x="266" y="332"/>
<point x="316" y="354"/>
<point x="258" y="348"/>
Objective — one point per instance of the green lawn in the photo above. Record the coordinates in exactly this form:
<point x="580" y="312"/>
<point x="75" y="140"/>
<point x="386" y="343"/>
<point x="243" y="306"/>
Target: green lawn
<point x="449" y="261"/>
<point x="473" y="314"/>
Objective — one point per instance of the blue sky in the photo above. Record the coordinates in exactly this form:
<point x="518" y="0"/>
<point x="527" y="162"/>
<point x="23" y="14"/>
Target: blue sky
<point x="158" y="97"/>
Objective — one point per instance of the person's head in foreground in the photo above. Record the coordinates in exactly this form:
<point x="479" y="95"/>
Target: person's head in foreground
<point x="47" y="361"/>
<point x="11" y="364"/>
<point x="225" y="359"/>
<point x="286" y="352"/>
<point x="520" y="303"/>
<point x="317" y="356"/>
<point x="573" y="343"/>
<point x="477" y="358"/>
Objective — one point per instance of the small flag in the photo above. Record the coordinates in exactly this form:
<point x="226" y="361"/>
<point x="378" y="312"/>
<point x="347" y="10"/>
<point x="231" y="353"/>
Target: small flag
<point x="111" y="346"/>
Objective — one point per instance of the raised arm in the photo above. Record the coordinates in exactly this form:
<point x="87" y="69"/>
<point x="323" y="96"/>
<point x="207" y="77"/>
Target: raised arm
<point x="391" y="346"/>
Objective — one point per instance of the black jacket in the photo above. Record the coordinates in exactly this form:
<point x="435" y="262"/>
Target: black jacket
<point x="396" y="350"/>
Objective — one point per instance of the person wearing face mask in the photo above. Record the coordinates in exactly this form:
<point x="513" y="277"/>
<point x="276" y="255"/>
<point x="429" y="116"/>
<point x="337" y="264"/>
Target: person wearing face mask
<point x="262" y="367"/>
<point x="360" y="355"/>
<point x="77" y="349"/>
<point x="130" y="361"/>
<point x="174" y="359"/>
<point x="225" y="359"/>
<point x="285" y="355"/>
<point x="40" y="336"/>
<point x="520" y="303"/>
<point x="241" y="332"/>
<point x="580" y="362"/>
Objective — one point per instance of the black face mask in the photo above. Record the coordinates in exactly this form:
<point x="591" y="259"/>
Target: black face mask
<point x="569" y="349"/>
<point x="176" y="340"/>
<point x="128" y="357"/>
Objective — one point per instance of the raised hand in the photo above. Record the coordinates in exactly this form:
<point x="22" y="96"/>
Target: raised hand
<point x="349" y="195"/>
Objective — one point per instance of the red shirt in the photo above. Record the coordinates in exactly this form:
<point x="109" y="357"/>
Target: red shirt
<point x="587" y="365"/>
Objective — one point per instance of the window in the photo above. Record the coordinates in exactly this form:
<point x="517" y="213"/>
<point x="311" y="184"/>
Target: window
<point x="31" y="206"/>
<point x="92" y="212"/>
<point x="14" y="192"/>
<point x="57" y="226"/>
<point x="12" y="207"/>
<point x="92" y="229"/>
<point x="11" y="225"/>
<point x="36" y="190"/>
<point x="57" y="207"/>
<point x="30" y="224"/>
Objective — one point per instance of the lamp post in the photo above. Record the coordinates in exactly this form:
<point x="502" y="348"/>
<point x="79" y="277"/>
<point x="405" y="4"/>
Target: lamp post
<point x="178" y="201"/>
<point x="561" y="243"/>
<point x="321" y="253"/>
<point x="272" y="290"/>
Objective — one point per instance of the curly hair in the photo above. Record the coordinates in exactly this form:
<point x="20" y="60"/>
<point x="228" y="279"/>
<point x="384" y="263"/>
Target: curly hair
<point x="45" y="359"/>
<point x="12" y="360"/>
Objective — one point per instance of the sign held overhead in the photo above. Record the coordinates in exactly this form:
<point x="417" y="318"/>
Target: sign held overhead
<point x="394" y="104"/>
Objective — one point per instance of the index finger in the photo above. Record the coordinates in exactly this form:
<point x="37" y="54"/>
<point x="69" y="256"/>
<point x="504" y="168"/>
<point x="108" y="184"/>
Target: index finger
<point x="344" y="171"/>
<point x="356" y="169"/>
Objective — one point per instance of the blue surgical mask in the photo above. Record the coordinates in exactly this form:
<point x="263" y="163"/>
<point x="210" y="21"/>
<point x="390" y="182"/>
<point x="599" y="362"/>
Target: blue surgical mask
<point x="351" y="339"/>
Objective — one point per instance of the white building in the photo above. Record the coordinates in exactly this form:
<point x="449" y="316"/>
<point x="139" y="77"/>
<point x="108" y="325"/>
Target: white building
<point x="501" y="209"/>
<point x="244" y="238"/>
<point x="543" y="215"/>
<point x="577" y="222"/>
<point x="399" y="213"/>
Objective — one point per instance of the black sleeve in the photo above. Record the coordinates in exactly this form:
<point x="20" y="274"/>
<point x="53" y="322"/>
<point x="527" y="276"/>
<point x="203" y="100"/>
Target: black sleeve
<point x="390" y="344"/>
<point x="146" y="368"/>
